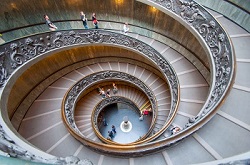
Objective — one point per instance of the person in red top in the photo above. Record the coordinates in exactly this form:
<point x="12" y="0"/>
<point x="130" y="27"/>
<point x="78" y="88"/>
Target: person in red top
<point x="146" y="111"/>
<point x="94" y="20"/>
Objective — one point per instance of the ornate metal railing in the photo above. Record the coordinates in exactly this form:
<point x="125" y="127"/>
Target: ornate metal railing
<point x="111" y="100"/>
<point x="11" y="149"/>
<point x="215" y="40"/>
<point x="72" y="96"/>
<point x="16" y="54"/>
<point x="208" y="31"/>
<point x="114" y="25"/>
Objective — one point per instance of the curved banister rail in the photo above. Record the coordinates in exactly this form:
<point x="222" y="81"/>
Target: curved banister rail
<point x="221" y="54"/>
<point x="111" y="100"/>
<point x="222" y="59"/>
<point x="27" y="49"/>
<point x="104" y="21"/>
<point x="199" y="63"/>
<point x="77" y="90"/>
<point x="20" y="52"/>
<point x="202" y="24"/>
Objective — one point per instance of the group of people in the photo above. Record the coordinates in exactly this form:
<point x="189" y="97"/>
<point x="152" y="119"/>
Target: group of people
<point x="111" y="133"/>
<point x="84" y="19"/>
<point x="107" y="93"/>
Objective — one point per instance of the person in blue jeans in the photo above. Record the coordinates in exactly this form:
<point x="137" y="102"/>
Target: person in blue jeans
<point x="113" y="129"/>
<point x="111" y="134"/>
<point x="84" y="20"/>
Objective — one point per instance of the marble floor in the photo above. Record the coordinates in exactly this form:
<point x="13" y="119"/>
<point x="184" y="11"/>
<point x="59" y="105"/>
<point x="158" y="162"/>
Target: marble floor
<point x="114" y="116"/>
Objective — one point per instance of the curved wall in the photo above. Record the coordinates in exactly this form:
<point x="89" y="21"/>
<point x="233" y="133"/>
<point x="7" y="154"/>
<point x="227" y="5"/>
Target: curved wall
<point x="24" y="12"/>
<point x="61" y="63"/>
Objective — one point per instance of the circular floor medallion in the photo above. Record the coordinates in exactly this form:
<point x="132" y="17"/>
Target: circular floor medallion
<point x="126" y="127"/>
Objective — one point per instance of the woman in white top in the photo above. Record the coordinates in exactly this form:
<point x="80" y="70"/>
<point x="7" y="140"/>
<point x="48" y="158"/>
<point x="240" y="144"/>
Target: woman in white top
<point x="125" y="28"/>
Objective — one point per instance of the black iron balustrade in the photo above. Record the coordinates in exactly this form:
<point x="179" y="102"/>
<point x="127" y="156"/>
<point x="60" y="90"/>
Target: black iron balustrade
<point x="17" y="53"/>
<point x="216" y="40"/>
<point x="208" y="31"/>
<point x="72" y="96"/>
<point x="11" y="149"/>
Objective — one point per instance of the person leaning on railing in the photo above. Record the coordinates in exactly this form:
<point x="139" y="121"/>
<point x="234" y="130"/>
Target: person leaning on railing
<point x="52" y="27"/>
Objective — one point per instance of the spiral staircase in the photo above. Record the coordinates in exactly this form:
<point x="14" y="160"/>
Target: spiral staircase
<point x="44" y="124"/>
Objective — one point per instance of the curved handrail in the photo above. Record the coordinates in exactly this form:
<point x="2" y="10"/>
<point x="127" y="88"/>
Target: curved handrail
<point x="19" y="53"/>
<point x="105" y="21"/>
<point x="111" y="100"/>
<point x="73" y="94"/>
<point x="222" y="59"/>
<point x="29" y="48"/>
<point x="216" y="41"/>
<point x="221" y="54"/>
<point x="239" y="13"/>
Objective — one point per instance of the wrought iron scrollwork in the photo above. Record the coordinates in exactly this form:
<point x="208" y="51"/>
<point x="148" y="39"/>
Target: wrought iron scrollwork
<point x="15" y="54"/>
<point x="88" y="81"/>
<point x="11" y="149"/>
<point x="216" y="40"/>
<point x="111" y="100"/>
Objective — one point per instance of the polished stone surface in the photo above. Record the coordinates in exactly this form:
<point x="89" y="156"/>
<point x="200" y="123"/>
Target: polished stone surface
<point x="126" y="127"/>
<point x="114" y="116"/>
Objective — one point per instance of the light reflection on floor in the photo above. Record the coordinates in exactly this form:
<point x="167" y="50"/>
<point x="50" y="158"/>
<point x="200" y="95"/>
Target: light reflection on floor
<point x="115" y="117"/>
